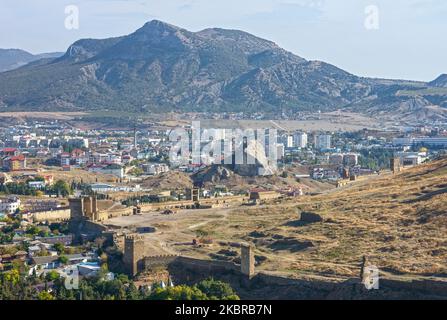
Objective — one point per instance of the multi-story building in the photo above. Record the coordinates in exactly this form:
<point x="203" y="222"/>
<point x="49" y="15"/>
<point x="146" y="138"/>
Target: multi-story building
<point x="427" y="141"/>
<point x="280" y="151"/>
<point x="155" y="168"/>
<point x="289" y="142"/>
<point x="64" y="159"/>
<point x="323" y="141"/>
<point x="9" y="152"/>
<point x="300" y="139"/>
<point x="14" y="163"/>
<point x="9" y="205"/>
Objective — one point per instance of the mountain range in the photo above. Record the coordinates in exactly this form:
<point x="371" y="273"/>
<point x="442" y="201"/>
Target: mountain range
<point x="161" y="67"/>
<point x="11" y="59"/>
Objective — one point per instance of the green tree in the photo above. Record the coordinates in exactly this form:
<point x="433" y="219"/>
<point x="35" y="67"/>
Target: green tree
<point x="12" y="277"/>
<point x="59" y="247"/>
<point x="62" y="188"/>
<point x="216" y="290"/>
<point x="44" y="295"/>
<point x="178" y="293"/>
<point x="52" y="276"/>
<point x="63" y="260"/>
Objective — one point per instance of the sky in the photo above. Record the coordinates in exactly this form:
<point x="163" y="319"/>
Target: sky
<point x="396" y="39"/>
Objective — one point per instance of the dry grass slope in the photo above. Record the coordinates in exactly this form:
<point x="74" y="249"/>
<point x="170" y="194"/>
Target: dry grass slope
<point x="400" y="222"/>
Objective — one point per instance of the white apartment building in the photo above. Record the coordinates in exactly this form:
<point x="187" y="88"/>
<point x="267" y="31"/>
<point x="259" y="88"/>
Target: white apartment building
<point x="428" y="141"/>
<point x="155" y="168"/>
<point x="9" y="205"/>
<point x="280" y="149"/>
<point x="323" y="141"/>
<point x="301" y="139"/>
<point x="289" y="142"/>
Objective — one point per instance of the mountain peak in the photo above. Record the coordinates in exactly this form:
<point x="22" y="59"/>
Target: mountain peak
<point x="440" y="81"/>
<point x="158" y="25"/>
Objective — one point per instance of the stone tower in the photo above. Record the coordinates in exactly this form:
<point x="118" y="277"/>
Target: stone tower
<point x="83" y="208"/>
<point x="133" y="253"/>
<point x="395" y="165"/>
<point x="247" y="260"/>
<point x="76" y="208"/>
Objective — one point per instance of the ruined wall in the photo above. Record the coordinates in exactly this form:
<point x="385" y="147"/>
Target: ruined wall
<point x="265" y="285"/>
<point x="84" y="228"/>
<point x="109" y="214"/>
<point x="207" y="266"/>
<point x="271" y="286"/>
<point x="188" y="203"/>
<point x="150" y="263"/>
<point x="52" y="216"/>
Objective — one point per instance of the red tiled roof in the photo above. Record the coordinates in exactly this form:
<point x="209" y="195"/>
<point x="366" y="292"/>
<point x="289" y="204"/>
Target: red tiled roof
<point x="20" y="157"/>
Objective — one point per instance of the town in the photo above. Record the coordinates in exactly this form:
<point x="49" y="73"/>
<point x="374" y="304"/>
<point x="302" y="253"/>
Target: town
<point x="97" y="200"/>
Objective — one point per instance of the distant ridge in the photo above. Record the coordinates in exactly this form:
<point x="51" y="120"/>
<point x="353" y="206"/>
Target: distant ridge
<point x="161" y="68"/>
<point x="11" y="59"/>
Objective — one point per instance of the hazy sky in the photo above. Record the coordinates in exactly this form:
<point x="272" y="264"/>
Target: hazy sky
<point x="410" y="42"/>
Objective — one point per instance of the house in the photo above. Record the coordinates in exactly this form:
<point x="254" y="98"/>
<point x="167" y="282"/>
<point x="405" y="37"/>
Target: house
<point x="89" y="269"/>
<point x="53" y="262"/>
<point x="37" y="185"/>
<point x="8" y="152"/>
<point x="33" y="250"/>
<point x="14" y="163"/>
<point x="77" y="153"/>
<point x="155" y="168"/>
<point x="102" y="187"/>
<point x="42" y="263"/>
<point x="98" y="158"/>
<point x="63" y="239"/>
<point x="64" y="159"/>
<point x="126" y="158"/>
<point x="9" y="205"/>
<point x="78" y="157"/>
<point x="113" y="169"/>
<point x="48" y="179"/>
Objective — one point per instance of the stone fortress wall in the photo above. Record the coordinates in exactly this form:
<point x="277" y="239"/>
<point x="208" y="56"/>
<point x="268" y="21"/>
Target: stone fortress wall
<point x="57" y="215"/>
<point x="263" y="285"/>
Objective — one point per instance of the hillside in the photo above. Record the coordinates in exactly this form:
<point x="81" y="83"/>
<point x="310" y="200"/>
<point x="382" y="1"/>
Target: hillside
<point x="399" y="222"/>
<point x="161" y="67"/>
<point x="220" y="175"/>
